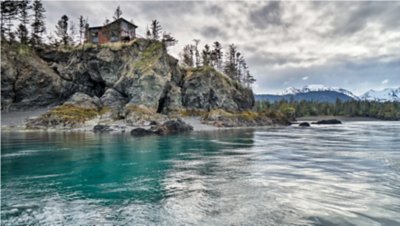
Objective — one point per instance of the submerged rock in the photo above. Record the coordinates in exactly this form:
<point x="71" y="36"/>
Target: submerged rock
<point x="328" y="122"/>
<point x="305" y="124"/>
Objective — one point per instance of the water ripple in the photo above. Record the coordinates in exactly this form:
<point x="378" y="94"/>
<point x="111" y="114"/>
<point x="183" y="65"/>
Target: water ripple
<point x="323" y="175"/>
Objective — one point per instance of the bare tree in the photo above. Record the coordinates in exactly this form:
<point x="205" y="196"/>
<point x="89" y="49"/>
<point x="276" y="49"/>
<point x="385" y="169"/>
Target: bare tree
<point x="196" y="52"/>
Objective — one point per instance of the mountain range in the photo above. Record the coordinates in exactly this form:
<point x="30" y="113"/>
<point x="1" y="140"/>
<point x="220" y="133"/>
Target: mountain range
<point x="321" y="93"/>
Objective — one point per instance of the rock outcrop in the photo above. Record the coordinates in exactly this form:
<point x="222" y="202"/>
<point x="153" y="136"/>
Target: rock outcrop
<point x="206" y="88"/>
<point x="221" y="118"/>
<point x="27" y="81"/>
<point x="136" y="83"/>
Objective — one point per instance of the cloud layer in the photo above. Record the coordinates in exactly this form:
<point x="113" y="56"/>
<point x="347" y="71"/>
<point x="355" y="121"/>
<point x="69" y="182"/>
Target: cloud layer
<point x="354" y="45"/>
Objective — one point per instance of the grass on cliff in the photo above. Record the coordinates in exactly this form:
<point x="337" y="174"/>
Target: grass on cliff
<point x="209" y="69"/>
<point x="149" y="56"/>
<point x="16" y="47"/>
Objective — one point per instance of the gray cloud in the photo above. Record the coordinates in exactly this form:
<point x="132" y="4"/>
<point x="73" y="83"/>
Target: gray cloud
<point x="268" y="15"/>
<point x="213" y="32"/>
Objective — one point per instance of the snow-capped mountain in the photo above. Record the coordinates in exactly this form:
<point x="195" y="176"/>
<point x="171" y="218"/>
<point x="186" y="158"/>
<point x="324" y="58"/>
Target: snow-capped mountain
<point x="389" y="94"/>
<point x="314" y="92"/>
<point x="316" y="88"/>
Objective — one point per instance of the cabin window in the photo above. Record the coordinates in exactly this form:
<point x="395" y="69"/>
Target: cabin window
<point x="114" y="37"/>
<point x="95" y="36"/>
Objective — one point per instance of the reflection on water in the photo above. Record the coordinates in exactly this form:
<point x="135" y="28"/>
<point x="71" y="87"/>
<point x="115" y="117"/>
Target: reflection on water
<point x="326" y="175"/>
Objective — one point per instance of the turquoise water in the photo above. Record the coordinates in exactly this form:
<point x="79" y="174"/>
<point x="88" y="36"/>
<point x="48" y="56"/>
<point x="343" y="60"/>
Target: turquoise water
<point x="327" y="175"/>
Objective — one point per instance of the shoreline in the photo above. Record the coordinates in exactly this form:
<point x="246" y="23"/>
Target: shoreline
<point x="341" y="118"/>
<point x="14" y="121"/>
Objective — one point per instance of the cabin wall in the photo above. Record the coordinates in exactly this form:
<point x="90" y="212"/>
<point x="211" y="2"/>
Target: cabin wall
<point x="113" y="32"/>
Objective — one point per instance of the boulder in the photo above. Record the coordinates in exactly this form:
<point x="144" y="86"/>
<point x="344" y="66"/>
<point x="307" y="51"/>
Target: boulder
<point x="172" y="127"/>
<point x="115" y="102"/>
<point x="328" y="122"/>
<point x="101" y="128"/>
<point x="304" y="124"/>
<point x="83" y="100"/>
<point x="138" y="132"/>
<point x="140" y="115"/>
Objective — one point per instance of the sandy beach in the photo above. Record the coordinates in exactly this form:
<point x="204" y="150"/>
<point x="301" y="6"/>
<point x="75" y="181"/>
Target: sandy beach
<point x="17" y="118"/>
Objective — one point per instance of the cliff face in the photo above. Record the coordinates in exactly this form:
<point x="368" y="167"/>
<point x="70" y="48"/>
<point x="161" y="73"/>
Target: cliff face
<point x="136" y="75"/>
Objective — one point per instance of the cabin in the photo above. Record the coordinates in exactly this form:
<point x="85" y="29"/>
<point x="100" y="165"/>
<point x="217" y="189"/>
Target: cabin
<point x="116" y="31"/>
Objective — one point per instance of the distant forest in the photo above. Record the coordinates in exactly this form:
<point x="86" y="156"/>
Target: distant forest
<point x="29" y="19"/>
<point x="379" y="110"/>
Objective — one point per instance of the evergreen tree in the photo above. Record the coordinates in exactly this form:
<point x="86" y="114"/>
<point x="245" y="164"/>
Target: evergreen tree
<point x="22" y="33"/>
<point x="155" y="29"/>
<point x="168" y="40"/>
<point x="206" y="55"/>
<point x="107" y="21"/>
<point x="230" y="67"/>
<point x="217" y="56"/>
<point x="22" y="30"/>
<point x="9" y="13"/>
<point x="242" y="67"/>
<point x="117" y="13"/>
<point x="38" y="25"/>
<point x="248" y="78"/>
<point x="62" y="30"/>
<point x="187" y="55"/>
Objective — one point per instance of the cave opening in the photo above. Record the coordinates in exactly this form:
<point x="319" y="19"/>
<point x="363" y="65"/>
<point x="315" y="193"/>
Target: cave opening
<point x="161" y="104"/>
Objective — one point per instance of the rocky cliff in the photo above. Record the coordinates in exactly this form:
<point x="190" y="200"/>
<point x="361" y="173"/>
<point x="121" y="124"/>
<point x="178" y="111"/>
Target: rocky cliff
<point x="135" y="82"/>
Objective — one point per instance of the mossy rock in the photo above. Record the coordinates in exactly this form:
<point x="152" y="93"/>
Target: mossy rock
<point x="66" y="115"/>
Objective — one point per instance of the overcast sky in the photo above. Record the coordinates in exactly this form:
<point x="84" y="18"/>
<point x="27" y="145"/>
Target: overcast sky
<point x="353" y="45"/>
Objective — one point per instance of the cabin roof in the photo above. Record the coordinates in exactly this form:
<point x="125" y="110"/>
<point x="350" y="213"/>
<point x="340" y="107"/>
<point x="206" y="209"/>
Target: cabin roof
<point x="115" y="21"/>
